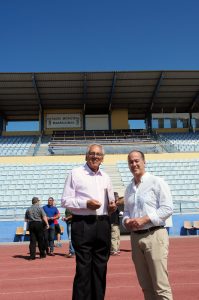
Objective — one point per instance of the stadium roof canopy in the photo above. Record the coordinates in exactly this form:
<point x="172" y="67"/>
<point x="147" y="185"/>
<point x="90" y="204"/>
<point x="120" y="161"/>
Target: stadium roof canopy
<point x="24" y="95"/>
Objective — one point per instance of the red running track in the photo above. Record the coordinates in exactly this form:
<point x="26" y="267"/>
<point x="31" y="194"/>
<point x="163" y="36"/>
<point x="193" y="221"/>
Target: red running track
<point x="52" y="278"/>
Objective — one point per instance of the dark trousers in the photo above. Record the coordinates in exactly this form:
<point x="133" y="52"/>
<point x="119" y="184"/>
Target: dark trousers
<point x="36" y="235"/>
<point x="91" y="238"/>
<point x="49" y="235"/>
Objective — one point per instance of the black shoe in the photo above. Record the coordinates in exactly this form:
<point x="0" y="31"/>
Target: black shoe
<point x="31" y="258"/>
<point x="43" y="256"/>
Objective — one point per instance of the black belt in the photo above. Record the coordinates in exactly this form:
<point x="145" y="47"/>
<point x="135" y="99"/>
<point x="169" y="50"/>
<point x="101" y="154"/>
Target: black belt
<point x="35" y="221"/>
<point x="90" y="218"/>
<point x="148" y="230"/>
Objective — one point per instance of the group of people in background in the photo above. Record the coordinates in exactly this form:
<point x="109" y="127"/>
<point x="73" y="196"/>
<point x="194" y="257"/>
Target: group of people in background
<point x="92" y="211"/>
<point x="44" y="227"/>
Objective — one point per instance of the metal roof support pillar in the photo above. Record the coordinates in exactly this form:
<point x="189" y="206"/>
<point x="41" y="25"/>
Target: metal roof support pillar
<point x="41" y="114"/>
<point x="194" y="101"/>
<point x="110" y="101"/>
<point x="152" y="102"/>
<point x="160" y="123"/>
<point x="190" y="123"/>
<point x="84" y="100"/>
<point x="149" y="122"/>
<point x="2" y="124"/>
<point x="173" y="123"/>
<point x="109" y="121"/>
<point x="84" y="121"/>
<point x="84" y="118"/>
<point x="41" y="120"/>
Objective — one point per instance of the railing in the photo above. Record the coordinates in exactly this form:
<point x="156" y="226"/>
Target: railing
<point x="165" y="143"/>
<point x="186" y="143"/>
<point x="186" y="206"/>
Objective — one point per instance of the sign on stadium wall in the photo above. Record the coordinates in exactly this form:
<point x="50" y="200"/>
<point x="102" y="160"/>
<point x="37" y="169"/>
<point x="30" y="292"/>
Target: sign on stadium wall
<point x="63" y="121"/>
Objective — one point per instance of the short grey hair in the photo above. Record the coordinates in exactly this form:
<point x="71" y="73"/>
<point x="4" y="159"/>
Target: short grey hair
<point x="35" y="200"/>
<point x="98" y="145"/>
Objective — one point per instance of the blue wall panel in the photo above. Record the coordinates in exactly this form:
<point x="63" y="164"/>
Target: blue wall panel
<point x="8" y="228"/>
<point x="178" y="221"/>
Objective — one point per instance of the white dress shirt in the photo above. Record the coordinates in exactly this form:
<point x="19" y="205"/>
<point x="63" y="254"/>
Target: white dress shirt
<point x="152" y="197"/>
<point x="81" y="185"/>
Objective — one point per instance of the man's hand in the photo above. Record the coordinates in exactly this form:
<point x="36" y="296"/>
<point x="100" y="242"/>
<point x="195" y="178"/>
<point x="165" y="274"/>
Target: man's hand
<point x="46" y="227"/>
<point x="136" y="223"/>
<point x="67" y="218"/>
<point x="93" y="204"/>
<point x="129" y="224"/>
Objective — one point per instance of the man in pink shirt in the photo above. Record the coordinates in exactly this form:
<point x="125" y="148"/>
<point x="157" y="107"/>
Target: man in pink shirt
<point x="88" y="193"/>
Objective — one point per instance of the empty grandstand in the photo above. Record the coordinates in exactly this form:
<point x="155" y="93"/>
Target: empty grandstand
<point x="15" y="145"/>
<point x="76" y="109"/>
<point x="180" y="142"/>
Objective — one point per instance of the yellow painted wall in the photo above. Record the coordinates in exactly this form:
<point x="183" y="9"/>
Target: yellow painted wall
<point x="119" y="119"/>
<point x="109" y="159"/>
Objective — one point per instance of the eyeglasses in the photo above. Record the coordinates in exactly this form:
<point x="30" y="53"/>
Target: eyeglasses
<point x="97" y="154"/>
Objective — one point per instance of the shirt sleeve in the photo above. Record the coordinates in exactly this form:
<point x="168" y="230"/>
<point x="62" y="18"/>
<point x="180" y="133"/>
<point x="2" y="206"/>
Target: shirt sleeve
<point x="70" y="198"/>
<point x="43" y="214"/>
<point x="57" y="212"/>
<point x="165" y="207"/>
<point x="126" y="214"/>
<point x="110" y="190"/>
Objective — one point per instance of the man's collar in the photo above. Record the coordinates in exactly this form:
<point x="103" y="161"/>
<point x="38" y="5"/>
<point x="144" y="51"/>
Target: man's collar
<point x="142" y="179"/>
<point x="99" y="172"/>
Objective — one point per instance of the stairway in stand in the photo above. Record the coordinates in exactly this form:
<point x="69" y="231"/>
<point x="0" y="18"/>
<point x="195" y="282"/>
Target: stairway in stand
<point x="116" y="179"/>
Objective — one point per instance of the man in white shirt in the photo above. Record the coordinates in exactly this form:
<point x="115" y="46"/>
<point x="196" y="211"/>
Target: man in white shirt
<point x="147" y="205"/>
<point x="89" y="195"/>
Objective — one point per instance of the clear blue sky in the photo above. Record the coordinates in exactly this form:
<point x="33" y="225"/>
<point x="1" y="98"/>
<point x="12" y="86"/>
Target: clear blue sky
<point x="111" y="35"/>
<point x="105" y="35"/>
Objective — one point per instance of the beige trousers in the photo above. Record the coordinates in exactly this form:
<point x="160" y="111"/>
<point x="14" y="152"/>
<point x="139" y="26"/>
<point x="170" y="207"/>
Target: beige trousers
<point x="115" y="238"/>
<point x="149" y="254"/>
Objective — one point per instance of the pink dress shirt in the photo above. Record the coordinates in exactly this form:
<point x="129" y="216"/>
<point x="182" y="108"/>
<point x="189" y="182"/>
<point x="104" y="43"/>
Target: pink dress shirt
<point x="81" y="185"/>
